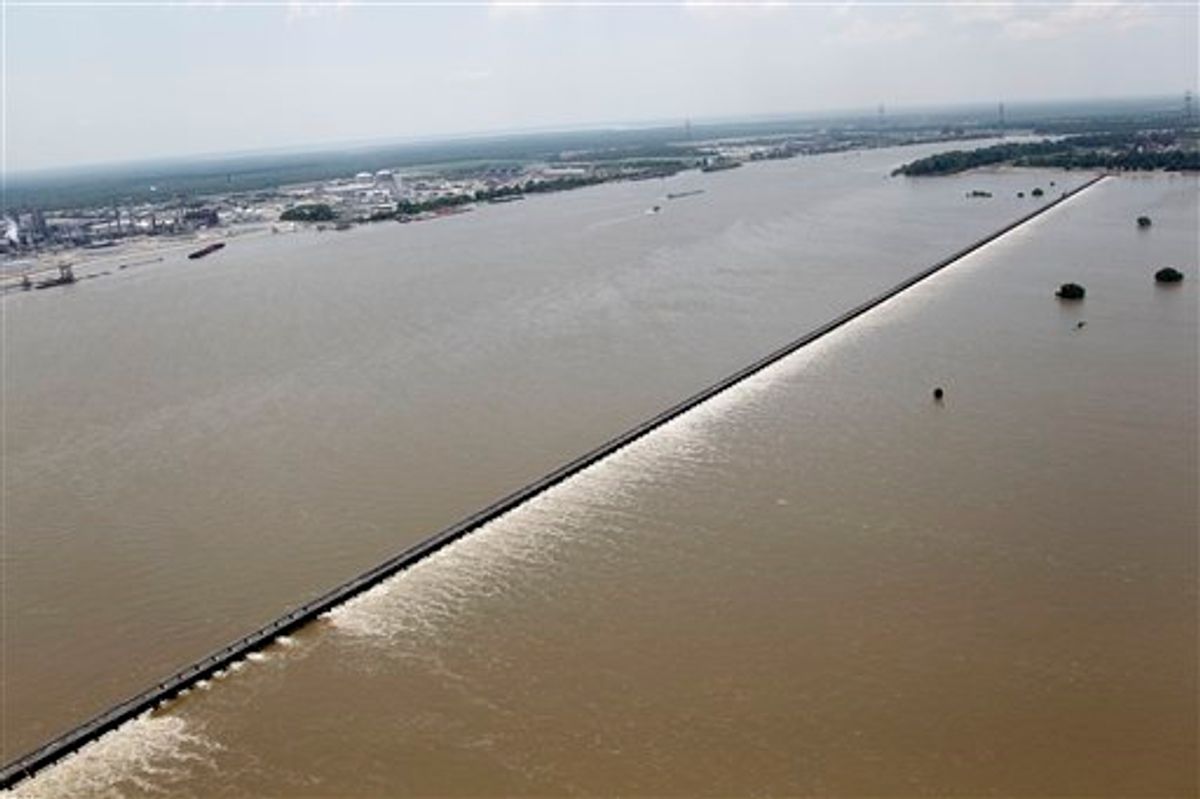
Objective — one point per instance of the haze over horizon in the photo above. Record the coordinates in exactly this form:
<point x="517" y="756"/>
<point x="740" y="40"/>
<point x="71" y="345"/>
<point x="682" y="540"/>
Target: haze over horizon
<point x="113" y="84"/>
<point x="1014" y="109"/>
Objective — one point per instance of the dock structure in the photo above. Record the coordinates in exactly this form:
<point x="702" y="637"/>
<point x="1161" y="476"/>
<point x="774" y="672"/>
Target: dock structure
<point x="153" y="697"/>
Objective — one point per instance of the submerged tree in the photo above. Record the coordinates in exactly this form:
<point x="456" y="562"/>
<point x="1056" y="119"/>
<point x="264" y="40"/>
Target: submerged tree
<point x="1070" y="291"/>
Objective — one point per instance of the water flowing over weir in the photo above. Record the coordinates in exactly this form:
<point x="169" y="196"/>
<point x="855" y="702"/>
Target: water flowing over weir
<point x="220" y="660"/>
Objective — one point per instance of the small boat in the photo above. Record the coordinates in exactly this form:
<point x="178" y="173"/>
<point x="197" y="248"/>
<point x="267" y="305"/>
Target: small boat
<point x="203" y="251"/>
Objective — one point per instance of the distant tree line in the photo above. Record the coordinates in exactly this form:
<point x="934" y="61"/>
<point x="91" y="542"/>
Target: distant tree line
<point x="1116" y="151"/>
<point x="314" y="212"/>
<point x="561" y="184"/>
<point x="1119" y="123"/>
<point x="411" y="208"/>
<point x="1169" y="160"/>
<point x="953" y="161"/>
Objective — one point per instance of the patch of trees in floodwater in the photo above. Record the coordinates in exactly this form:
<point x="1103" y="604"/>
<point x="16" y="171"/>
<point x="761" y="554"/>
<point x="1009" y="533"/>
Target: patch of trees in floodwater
<point x="1172" y="150"/>
<point x="1168" y="275"/>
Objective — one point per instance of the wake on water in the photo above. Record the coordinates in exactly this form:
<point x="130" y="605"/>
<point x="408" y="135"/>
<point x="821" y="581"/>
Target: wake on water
<point x="146" y="755"/>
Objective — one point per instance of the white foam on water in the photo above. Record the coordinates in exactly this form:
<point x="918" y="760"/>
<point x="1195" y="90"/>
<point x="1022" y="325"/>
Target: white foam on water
<point x="505" y="554"/>
<point x="510" y="554"/>
<point x="145" y="755"/>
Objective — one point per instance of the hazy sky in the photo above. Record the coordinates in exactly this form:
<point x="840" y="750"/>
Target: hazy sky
<point x="93" y="84"/>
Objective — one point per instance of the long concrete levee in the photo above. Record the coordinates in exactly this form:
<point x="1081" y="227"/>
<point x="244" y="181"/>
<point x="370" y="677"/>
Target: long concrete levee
<point x="204" y="668"/>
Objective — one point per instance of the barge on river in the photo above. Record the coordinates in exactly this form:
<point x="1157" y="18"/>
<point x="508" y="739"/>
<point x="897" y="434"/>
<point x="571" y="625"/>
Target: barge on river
<point x="203" y="251"/>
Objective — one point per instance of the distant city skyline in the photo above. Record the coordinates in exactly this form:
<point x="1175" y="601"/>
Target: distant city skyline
<point x="112" y="84"/>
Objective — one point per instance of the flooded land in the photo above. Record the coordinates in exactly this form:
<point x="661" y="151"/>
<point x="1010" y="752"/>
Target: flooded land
<point x="821" y="582"/>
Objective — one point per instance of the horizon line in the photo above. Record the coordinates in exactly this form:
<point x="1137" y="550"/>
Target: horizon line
<point x="660" y="123"/>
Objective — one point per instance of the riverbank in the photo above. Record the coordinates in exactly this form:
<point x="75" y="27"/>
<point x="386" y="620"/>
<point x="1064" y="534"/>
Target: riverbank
<point x="447" y="199"/>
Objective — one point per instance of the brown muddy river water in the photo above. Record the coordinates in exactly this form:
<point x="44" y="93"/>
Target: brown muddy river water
<point x="822" y="582"/>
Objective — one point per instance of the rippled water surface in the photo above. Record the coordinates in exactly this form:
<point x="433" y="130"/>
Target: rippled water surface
<point x="193" y="446"/>
<point x="822" y="582"/>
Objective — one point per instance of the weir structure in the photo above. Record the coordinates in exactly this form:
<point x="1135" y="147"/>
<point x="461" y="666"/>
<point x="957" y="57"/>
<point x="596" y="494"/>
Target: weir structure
<point x="164" y="690"/>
